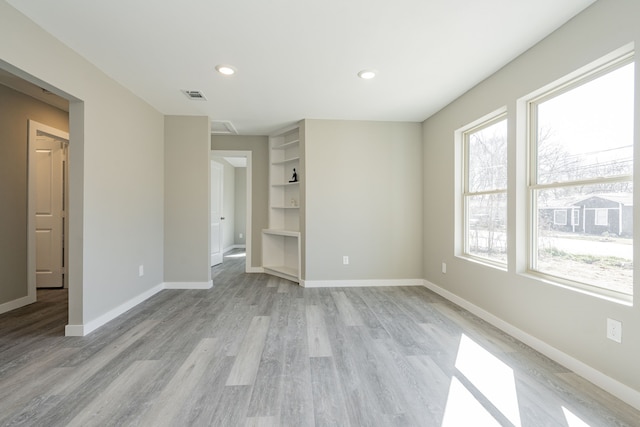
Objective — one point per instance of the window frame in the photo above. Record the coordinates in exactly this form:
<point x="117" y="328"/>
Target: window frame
<point x="466" y="194"/>
<point x="555" y="220"/>
<point x="598" y="212"/>
<point x="533" y="187"/>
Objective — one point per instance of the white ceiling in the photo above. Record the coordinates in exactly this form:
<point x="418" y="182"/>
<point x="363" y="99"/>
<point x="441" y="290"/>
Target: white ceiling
<point x="237" y="162"/>
<point x="298" y="59"/>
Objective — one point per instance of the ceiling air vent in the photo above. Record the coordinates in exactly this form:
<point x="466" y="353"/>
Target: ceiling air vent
<point x="195" y="95"/>
<point x="222" y="127"/>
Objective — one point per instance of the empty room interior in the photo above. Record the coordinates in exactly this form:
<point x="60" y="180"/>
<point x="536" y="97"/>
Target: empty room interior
<point x="299" y="213"/>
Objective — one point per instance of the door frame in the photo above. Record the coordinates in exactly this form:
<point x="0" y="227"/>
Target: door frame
<point x="249" y="213"/>
<point x="75" y="184"/>
<point x="35" y="127"/>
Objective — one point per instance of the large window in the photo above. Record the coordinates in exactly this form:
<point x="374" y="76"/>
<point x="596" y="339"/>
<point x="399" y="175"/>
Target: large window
<point x="581" y="164"/>
<point x="485" y="191"/>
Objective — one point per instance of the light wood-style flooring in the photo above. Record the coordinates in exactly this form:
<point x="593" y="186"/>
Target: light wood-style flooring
<point x="260" y="351"/>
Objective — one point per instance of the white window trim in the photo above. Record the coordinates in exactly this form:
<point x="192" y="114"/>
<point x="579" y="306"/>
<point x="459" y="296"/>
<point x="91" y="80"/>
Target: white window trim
<point x="616" y="59"/>
<point x="597" y="213"/>
<point x="555" y="216"/>
<point x="462" y="135"/>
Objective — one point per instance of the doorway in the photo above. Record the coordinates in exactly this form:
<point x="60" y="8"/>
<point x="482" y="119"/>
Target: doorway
<point x="47" y="207"/>
<point x="242" y="235"/>
<point x="28" y="97"/>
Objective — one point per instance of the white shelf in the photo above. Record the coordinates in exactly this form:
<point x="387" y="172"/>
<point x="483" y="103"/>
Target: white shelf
<point x="282" y="271"/>
<point x="286" y="145"/>
<point x="281" y="242"/>
<point x="278" y="232"/>
<point x="282" y="162"/>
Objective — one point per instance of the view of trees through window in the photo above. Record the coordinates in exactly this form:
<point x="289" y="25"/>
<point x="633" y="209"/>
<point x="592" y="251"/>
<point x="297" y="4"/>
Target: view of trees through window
<point x="486" y="191"/>
<point x="582" y="182"/>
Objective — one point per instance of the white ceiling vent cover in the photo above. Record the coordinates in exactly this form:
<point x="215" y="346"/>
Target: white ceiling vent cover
<point x="195" y="95"/>
<point x="223" y="127"/>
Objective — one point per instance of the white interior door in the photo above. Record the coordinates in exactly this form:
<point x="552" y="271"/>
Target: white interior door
<point x="49" y="210"/>
<point x="217" y="174"/>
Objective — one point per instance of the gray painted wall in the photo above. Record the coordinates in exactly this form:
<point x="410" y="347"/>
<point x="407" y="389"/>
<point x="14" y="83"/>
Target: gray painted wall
<point x="240" y="222"/>
<point x="15" y="110"/>
<point x="116" y="170"/>
<point x="186" y="199"/>
<point x="259" y="147"/>
<point x="363" y="198"/>
<point x="229" y="205"/>
<point x="570" y="321"/>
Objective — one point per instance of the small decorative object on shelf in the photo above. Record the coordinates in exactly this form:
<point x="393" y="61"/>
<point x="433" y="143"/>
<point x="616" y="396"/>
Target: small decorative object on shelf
<point x="294" y="203"/>
<point x="294" y="177"/>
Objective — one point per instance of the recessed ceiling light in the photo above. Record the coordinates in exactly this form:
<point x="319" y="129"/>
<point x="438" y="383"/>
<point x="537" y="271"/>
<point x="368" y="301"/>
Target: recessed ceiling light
<point x="367" y="74"/>
<point x="227" y="70"/>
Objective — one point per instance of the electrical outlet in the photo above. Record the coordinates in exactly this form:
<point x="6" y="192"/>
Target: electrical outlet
<point x="345" y="260"/>
<point x="614" y="330"/>
<point x="140" y="270"/>
<point x="444" y="268"/>
<point x="241" y="235"/>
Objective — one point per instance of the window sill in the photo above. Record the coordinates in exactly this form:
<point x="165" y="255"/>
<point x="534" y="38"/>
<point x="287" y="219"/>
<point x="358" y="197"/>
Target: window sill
<point x="484" y="262"/>
<point x="592" y="291"/>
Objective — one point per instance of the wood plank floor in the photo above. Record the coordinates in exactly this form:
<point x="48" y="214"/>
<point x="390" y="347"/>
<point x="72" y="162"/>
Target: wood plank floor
<point x="260" y="351"/>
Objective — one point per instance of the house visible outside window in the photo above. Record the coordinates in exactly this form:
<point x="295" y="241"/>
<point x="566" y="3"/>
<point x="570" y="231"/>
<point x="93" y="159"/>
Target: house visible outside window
<point x="601" y="217"/>
<point x="560" y="217"/>
<point x="581" y="158"/>
<point x="485" y="191"/>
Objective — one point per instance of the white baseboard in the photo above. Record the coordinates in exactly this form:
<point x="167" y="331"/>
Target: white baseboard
<point x="87" y="328"/>
<point x="17" y="303"/>
<point x="188" y="285"/>
<point x="254" y="270"/>
<point x="74" y="331"/>
<point x="359" y="283"/>
<point x="232" y="247"/>
<point x="616" y="388"/>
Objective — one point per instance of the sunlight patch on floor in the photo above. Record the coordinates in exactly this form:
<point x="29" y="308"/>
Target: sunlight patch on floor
<point x="491" y="377"/>
<point x="572" y="419"/>
<point x="463" y="409"/>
